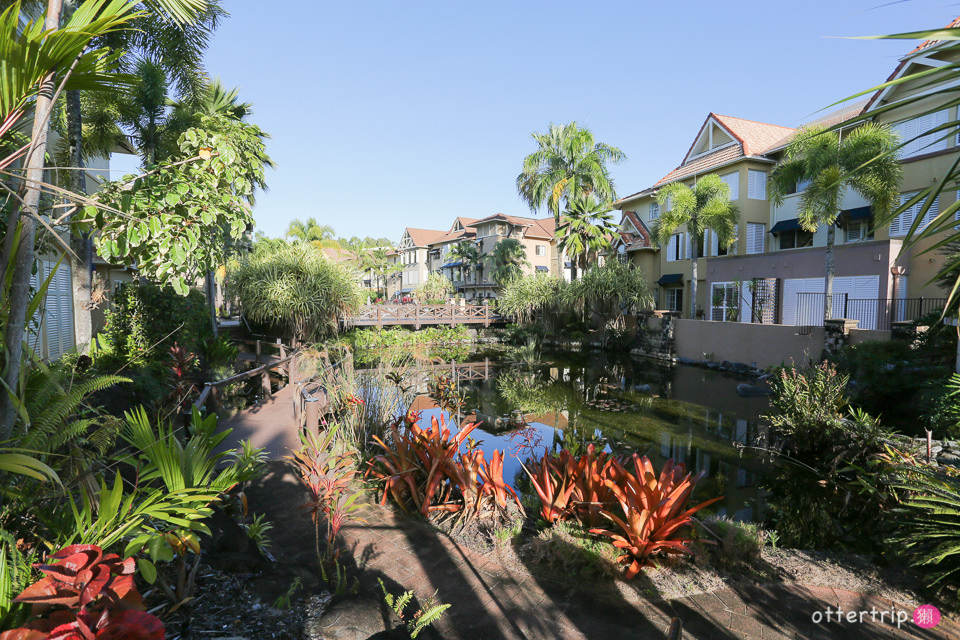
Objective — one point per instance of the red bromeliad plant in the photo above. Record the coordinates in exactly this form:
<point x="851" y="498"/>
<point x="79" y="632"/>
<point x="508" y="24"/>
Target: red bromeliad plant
<point x="86" y="595"/>
<point x="654" y="511"/>
<point x="426" y="468"/>
<point x="553" y="478"/>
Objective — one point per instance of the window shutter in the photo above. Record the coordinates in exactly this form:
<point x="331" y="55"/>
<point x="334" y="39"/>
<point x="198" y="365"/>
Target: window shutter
<point x="854" y="232"/>
<point x="756" y="184"/>
<point x="934" y="141"/>
<point x="682" y="244"/>
<point x="932" y="212"/>
<point x="713" y="243"/>
<point x="672" y="249"/>
<point x="755" y="237"/>
<point x="902" y="222"/>
<point x="908" y="130"/>
<point x="733" y="181"/>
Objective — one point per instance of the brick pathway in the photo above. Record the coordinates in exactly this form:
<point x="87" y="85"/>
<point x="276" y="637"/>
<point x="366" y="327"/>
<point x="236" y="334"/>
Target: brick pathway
<point x="268" y="425"/>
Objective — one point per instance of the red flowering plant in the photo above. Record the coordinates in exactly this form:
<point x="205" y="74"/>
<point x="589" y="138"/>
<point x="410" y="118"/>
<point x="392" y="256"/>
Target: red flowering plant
<point x="85" y="595"/>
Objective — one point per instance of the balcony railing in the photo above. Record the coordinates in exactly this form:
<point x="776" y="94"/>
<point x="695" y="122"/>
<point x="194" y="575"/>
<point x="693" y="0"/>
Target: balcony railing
<point x="872" y="313"/>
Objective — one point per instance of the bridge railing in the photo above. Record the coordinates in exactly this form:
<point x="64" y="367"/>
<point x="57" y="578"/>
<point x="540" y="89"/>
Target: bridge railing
<point x="423" y="314"/>
<point x="286" y="360"/>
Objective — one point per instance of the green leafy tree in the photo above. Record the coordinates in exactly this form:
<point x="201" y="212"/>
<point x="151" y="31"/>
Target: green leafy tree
<point x="568" y="162"/>
<point x="705" y="206"/>
<point x="863" y="160"/>
<point x="377" y="261"/>
<point x="509" y="257"/>
<point x="585" y="233"/>
<point x="176" y="222"/>
<point x="467" y="254"/>
<point x="434" y="287"/>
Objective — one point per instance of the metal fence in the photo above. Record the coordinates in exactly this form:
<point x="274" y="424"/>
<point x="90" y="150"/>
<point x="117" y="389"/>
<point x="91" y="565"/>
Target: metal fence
<point x="872" y="313"/>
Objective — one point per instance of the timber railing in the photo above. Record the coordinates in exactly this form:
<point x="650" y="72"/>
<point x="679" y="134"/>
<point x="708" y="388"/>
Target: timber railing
<point x="286" y="359"/>
<point x="312" y="397"/>
<point x="418" y="315"/>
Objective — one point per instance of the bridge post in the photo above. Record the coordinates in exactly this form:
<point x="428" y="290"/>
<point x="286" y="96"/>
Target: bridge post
<point x="313" y="414"/>
<point x="258" y="351"/>
<point x="283" y="351"/>
<point x="379" y="321"/>
<point x="297" y="407"/>
<point x="265" y="383"/>
<point x="486" y="368"/>
<point x="486" y="315"/>
<point x="417" y="310"/>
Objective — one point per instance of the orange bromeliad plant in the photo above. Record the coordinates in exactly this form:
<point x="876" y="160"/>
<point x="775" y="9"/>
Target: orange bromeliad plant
<point x="654" y="511"/>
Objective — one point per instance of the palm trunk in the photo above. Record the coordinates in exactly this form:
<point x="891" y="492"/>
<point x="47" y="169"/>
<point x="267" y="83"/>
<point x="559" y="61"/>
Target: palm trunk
<point x="23" y="260"/>
<point x="81" y="265"/>
<point x="693" y="276"/>
<point x="828" y="275"/>
<point x="212" y="301"/>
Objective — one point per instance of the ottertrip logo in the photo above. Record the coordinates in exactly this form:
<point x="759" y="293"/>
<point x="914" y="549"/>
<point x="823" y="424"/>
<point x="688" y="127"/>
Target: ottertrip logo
<point x="925" y="616"/>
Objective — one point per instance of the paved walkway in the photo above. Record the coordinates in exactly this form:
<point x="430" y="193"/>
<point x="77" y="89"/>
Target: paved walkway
<point x="269" y="425"/>
<point x="491" y="601"/>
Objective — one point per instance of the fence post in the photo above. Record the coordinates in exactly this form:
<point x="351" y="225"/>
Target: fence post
<point x="297" y="408"/>
<point x="265" y="383"/>
<point x="283" y="352"/>
<point x="257" y="351"/>
<point x="313" y="414"/>
<point x="293" y="369"/>
<point x="213" y="400"/>
<point x="417" y="311"/>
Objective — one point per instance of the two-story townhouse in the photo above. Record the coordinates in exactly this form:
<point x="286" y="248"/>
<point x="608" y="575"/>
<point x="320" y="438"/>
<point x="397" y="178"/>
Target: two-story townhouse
<point x="413" y="252"/>
<point x="440" y="250"/>
<point x="536" y="235"/>
<point x="734" y="149"/>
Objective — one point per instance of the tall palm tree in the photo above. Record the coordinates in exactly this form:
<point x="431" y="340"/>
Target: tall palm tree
<point x="864" y="160"/>
<point x="378" y="262"/>
<point x="567" y="163"/>
<point x="705" y="206"/>
<point x="586" y="230"/>
<point x="321" y="235"/>
<point x="509" y="257"/>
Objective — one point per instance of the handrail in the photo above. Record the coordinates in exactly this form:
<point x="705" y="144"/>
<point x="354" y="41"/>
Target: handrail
<point x="208" y="387"/>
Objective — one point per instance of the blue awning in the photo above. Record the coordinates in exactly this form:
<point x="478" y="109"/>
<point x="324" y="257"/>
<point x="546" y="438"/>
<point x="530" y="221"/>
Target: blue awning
<point x="543" y="268"/>
<point x="405" y="290"/>
<point x="849" y="215"/>
<point x="670" y="278"/>
<point x="568" y="265"/>
<point x="786" y="225"/>
<point x="453" y="264"/>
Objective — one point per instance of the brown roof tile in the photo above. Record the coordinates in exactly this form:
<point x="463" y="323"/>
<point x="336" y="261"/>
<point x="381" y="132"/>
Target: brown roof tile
<point x="702" y="164"/>
<point x="423" y="237"/>
<point x="756" y="137"/>
<point x="536" y="227"/>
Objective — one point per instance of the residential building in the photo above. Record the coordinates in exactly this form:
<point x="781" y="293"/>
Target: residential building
<point x="413" y="252"/>
<point x="774" y="273"/>
<point x="439" y="255"/>
<point x="536" y="235"/>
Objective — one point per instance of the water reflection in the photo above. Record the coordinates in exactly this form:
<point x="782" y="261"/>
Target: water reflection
<point x="622" y="405"/>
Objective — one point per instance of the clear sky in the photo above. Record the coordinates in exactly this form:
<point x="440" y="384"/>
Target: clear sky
<point x="387" y="114"/>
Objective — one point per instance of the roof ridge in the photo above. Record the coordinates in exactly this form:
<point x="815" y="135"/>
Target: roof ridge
<point x="766" y="124"/>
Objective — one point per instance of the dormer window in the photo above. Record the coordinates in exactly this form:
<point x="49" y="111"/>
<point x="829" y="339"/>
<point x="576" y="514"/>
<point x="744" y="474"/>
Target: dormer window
<point x="712" y="137"/>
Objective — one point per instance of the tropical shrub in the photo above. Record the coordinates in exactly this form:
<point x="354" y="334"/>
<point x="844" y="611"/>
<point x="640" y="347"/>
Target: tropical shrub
<point x="942" y="407"/>
<point x="810" y="403"/>
<point x="146" y="319"/>
<point x="428" y="613"/>
<point x="571" y="486"/>
<point x="423" y="470"/>
<point x="435" y="288"/>
<point x="527" y="298"/>
<point x="609" y="291"/>
<point x="86" y="594"/>
<point x="652" y="517"/>
<point x="297" y="291"/>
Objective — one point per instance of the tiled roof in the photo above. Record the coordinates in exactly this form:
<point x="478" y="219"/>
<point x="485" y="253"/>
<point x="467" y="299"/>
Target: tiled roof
<point x="703" y="163"/>
<point x="906" y="60"/>
<point x="833" y="118"/>
<point x="756" y="137"/>
<point x="423" y="237"/>
<point x="450" y="236"/>
<point x="536" y="227"/>
<point x="639" y="240"/>
<point x="337" y="254"/>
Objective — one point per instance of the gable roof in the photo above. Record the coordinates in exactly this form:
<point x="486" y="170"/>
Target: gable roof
<point x="423" y="237"/>
<point x="635" y="241"/>
<point x="905" y="62"/>
<point x="536" y="227"/>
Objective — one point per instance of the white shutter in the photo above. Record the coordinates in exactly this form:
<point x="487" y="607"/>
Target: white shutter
<point x="792" y="287"/>
<point x="733" y="181"/>
<point x="932" y="212"/>
<point x="901" y="224"/>
<point x="755" y="237"/>
<point x="746" y="302"/>
<point x="34" y="325"/>
<point x="713" y="242"/>
<point x="934" y="141"/>
<point x="58" y="318"/>
<point x="908" y="130"/>
<point x="756" y="184"/>
<point x="672" y="249"/>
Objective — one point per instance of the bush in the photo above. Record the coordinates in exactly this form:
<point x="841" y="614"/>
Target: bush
<point x="811" y="403"/>
<point x="147" y="319"/>
<point x="737" y="544"/>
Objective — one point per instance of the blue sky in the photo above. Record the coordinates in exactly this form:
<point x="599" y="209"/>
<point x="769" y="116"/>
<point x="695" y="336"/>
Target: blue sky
<point x="386" y="114"/>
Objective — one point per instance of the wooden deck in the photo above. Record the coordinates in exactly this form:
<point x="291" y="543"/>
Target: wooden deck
<point x="419" y="315"/>
<point x="270" y="424"/>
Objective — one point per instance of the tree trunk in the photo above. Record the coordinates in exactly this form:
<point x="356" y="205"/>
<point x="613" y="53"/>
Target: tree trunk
<point x="693" y="276"/>
<point x="828" y="275"/>
<point x="81" y="265"/>
<point x="212" y="301"/>
<point x="23" y="261"/>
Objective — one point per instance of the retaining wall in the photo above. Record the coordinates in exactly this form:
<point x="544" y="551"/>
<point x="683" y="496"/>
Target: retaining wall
<point x="763" y="344"/>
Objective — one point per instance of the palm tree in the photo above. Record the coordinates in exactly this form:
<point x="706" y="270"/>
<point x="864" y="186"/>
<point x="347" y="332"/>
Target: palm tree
<point x="568" y="162"/>
<point x="378" y="262"/>
<point x="467" y="253"/>
<point x="321" y="235"/>
<point x="509" y="258"/>
<point x="705" y="206"/>
<point x="586" y="230"/>
<point x="864" y="160"/>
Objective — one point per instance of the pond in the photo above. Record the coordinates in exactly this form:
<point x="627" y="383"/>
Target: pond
<point x="619" y="403"/>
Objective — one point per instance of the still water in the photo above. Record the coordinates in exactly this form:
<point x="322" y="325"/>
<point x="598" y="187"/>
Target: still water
<point x="621" y="404"/>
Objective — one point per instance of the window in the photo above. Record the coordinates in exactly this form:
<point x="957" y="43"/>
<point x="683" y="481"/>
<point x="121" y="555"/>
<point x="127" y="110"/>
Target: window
<point x="756" y="184"/>
<point x="902" y="223"/>
<point x="800" y="187"/>
<point x="675" y="247"/>
<point x="673" y="299"/>
<point x="755" y="237"/>
<point x="912" y="134"/>
<point x="724" y="302"/>
<point x="733" y="181"/>
<point x="858" y="230"/>
<point x="795" y="238"/>
<point x="713" y="241"/>
<point x="541" y="250"/>
<point x="654" y="211"/>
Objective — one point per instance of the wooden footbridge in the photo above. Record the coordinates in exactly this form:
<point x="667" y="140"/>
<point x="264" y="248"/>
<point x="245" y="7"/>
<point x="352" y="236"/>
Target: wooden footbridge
<point x="420" y="315"/>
